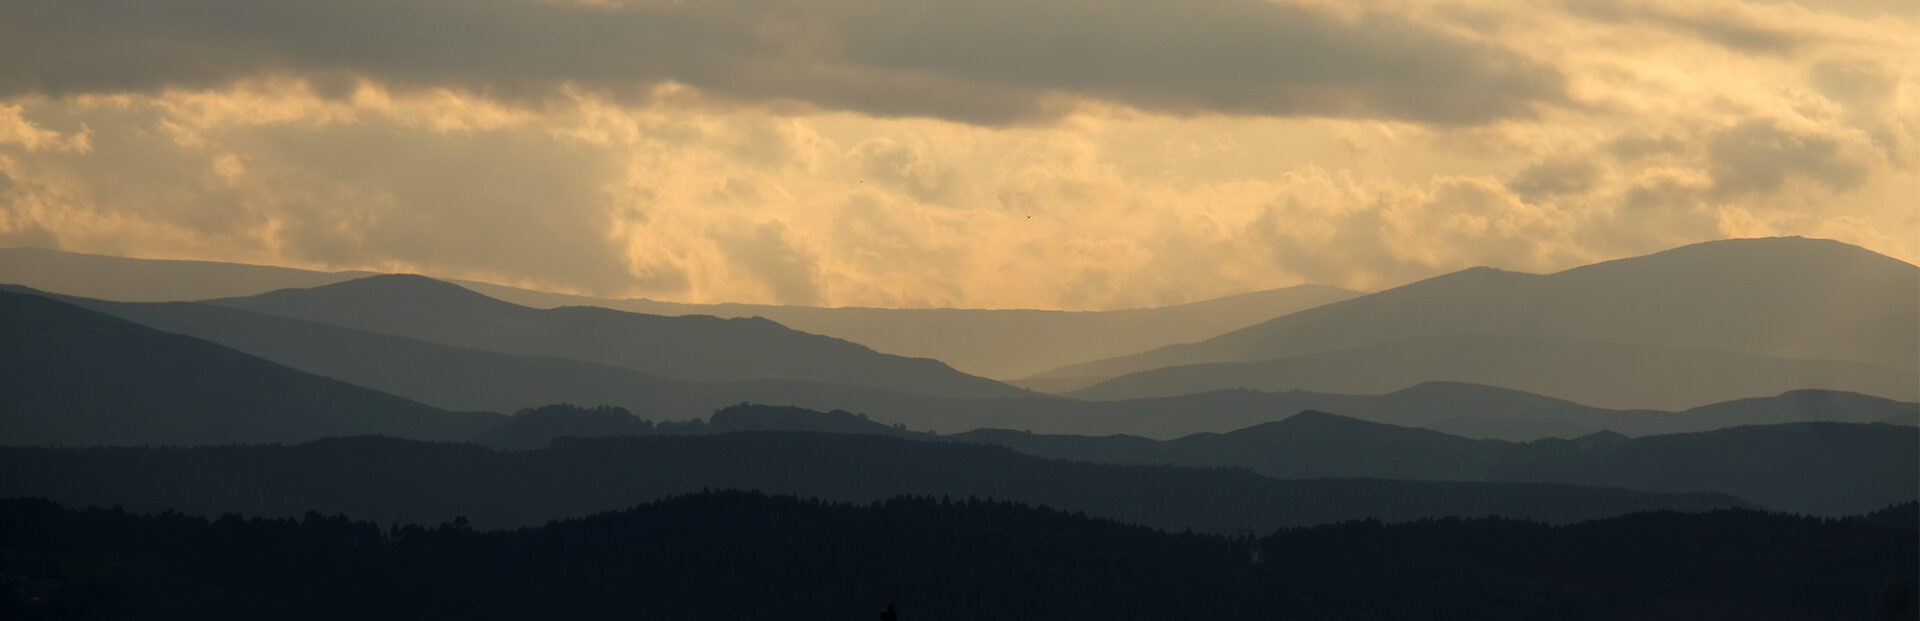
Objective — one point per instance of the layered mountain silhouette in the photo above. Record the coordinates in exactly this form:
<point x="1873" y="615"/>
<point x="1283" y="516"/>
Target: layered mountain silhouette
<point x="990" y="343"/>
<point x="1815" y="468"/>
<point x="462" y="379"/>
<point x="997" y="343"/>
<point x="1826" y="469"/>
<point x="409" y="481"/>
<point x="151" y="280"/>
<point x="689" y="348"/>
<point x="1790" y="298"/>
<point x="1613" y="375"/>
<point x="448" y="377"/>
<point x="538" y="428"/>
<point x="1307" y="445"/>
<point x="78" y="377"/>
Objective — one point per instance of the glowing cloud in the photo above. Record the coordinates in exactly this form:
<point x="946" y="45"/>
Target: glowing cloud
<point x="1060" y="153"/>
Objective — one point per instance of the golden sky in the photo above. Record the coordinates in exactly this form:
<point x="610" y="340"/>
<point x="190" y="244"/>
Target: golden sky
<point x="1075" y="154"/>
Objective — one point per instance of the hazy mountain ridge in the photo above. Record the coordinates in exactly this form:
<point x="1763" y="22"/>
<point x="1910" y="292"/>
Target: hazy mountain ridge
<point x="79" y="377"/>
<point x="689" y="348"/>
<point x="1782" y="297"/>
<point x="991" y="343"/>
<point x="151" y="280"/>
<point x="461" y="379"/>
<point x="997" y="343"/>
<point x="1612" y="375"/>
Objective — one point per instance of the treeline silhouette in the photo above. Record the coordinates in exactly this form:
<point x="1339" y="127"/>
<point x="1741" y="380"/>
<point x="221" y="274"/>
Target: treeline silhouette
<point x="740" y="555"/>
<point x="1818" y="468"/>
<point x="535" y="428"/>
<point x="408" y="481"/>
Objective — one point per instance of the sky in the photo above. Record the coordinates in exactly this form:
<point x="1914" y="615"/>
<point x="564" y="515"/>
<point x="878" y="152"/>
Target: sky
<point x="1069" y="154"/>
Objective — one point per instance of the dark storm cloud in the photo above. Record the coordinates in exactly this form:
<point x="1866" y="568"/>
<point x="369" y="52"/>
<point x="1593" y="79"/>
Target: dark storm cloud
<point x="1720" y="26"/>
<point x="981" y="61"/>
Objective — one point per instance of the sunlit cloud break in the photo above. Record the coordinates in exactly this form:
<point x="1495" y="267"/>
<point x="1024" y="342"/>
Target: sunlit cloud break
<point x="1058" y="154"/>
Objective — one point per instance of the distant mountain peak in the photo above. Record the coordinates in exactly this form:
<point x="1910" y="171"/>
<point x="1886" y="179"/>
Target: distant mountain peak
<point x="1316" y="419"/>
<point x="1762" y="250"/>
<point x="402" y="283"/>
<point x="1445" y="390"/>
<point x="409" y="289"/>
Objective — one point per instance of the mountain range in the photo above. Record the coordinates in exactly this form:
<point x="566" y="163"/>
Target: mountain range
<point x="1610" y="375"/>
<point x="1827" y="469"/>
<point x="77" y="377"/>
<point x="1759" y="369"/>
<point x="416" y="482"/>
<point x="465" y="379"/>
<point x="1849" y="314"/>
<point x="695" y="348"/>
<point x="989" y="343"/>
<point x="1669" y="331"/>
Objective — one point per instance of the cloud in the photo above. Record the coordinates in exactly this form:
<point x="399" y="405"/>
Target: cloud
<point x="17" y="229"/>
<point x="905" y="166"/>
<point x="1088" y="155"/>
<point x="1633" y="147"/>
<point x="1759" y="156"/>
<point x="312" y="183"/>
<point x="977" y="61"/>
<point x="16" y="129"/>
<point x="1556" y="177"/>
<point x="766" y="253"/>
<point x="1734" y="25"/>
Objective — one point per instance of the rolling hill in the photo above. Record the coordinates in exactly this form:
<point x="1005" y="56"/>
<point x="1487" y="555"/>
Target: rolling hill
<point x="151" y="280"/>
<point x="1828" y="469"/>
<point x="407" y="481"/>
<point x="688" y="348"/>
<point x="78" y="377"/>
<point x="996" y="343"/>
<point x="461" y="379"/>
<point x="1604" y="374"/>
<point x="1791" y="298"/>
<point x="990" y="343"/>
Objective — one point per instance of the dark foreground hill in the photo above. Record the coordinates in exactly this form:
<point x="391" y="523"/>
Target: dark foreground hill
<point x="734" y="555"/>
<point x="78" y="377"/>
<point x="409" y="481"/>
